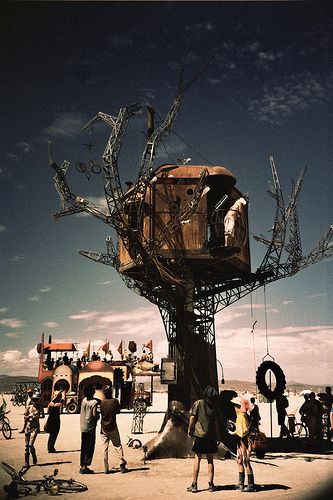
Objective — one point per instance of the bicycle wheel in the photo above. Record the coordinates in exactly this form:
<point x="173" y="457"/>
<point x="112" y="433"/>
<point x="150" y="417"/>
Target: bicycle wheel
<point x="300" y="431"/>
<point x="9" y="469"/>
<point x="70" y="485"/>
<point x="6" y="430"/>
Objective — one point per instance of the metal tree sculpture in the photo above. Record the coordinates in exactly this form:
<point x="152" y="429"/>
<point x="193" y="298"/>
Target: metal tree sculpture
<point x="183" y="244"/>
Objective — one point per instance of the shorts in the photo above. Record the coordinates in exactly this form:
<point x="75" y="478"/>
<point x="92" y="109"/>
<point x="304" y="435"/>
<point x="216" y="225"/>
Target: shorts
<point x="204" y="445"/>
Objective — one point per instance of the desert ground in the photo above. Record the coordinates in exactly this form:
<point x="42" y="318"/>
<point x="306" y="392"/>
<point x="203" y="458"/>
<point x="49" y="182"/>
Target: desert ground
<point x="280" y="475"/>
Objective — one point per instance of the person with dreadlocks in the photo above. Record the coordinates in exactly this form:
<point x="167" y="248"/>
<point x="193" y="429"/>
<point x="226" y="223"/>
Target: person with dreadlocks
<point x="203" y="425"/>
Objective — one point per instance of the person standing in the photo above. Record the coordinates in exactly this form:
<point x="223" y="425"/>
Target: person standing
<point x="88" y="421"/>
<point x="30" y="391"/>
<point x="203" y="425"/>
<point x="311" y="411"/>
<point x="31" y="429"/>
<point x="244" y="446"/>
<point x="52" y="425"/>
<point x="110" y="408"/>
<point x="281" y="405"/>
<point x="254" y="415"/>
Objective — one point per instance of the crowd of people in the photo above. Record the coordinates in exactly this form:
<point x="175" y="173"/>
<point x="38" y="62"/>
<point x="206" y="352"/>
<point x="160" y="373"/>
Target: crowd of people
<point x="108" y="410"/>
<point x="79" y="362"/>
<point x="312" y="411"/>
<point x="209" y="423"/>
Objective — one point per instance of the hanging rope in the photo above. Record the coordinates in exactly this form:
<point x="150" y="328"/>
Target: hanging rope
<point x="266" y="329"/>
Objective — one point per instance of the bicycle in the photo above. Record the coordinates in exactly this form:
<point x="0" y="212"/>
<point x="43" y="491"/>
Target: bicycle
<point x="297" y="429"/>
<point x="22" y="486"/>
<point x="5" y="424"/>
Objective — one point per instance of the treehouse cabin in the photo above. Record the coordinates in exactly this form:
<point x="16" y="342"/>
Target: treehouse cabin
<point x="212" y="238"/>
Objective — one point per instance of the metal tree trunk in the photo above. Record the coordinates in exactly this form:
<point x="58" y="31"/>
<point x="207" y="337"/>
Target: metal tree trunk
<point x="191" y="335"/>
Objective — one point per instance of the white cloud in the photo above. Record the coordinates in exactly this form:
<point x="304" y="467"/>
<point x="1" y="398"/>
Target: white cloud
<point x="12" y="322"/>
<point x="3" y="309"/>
<point x="66" y="125"/>
<point x="294" y="348"/>
<point x="85" y="315"/>
<point x="254" y="46"/>
<point x="11" y="335"/>
<point x="45" y="290"/>
<point x="297" y="93"/>
<point x="200" y="28"/>
<point x="34" y="298"/>
<point x="17" y="258"/>
<point x="12" y="156"/>
<point x="24" y="146"/>
<point x="51" y="324"/>
<point x="105" y="283"/>
<point x="11" y="356"/>
<point x="269" y="56"/>
<point x="2" y="228"/>
<point x="15" y="364"/>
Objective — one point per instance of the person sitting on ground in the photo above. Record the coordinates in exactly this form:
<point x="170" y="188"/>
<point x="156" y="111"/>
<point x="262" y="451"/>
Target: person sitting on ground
<point x="110" y="408"/>
<point x="88" y="421"/>
<point x="203" y="425"/>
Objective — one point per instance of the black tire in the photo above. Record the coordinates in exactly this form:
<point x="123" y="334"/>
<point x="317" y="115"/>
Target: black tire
<point x="72" y="407"/>
<point x="300" y="431"/>
<point x="261" y="380"/>
<point x="260" y="454"/>
<point x="136" y="443"/>
<point x="11" y="490"/>
<point x="6" y="430"/>
<point x="70" y="485"/>
<point x="9" y="469"/>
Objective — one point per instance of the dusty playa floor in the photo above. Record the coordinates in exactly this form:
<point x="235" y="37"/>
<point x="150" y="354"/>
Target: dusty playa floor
<point x="278" y="475"/>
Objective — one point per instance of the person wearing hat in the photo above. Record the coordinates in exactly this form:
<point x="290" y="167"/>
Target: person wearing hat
<point x="203" y="425"/>
<point x="244" y="448"/>
<point x="31" y="428"/>
<point x="52" y="425"/>
<point x="110" y="408"/>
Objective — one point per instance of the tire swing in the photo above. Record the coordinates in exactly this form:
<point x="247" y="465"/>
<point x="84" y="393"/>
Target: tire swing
<point x="267" y="365"/>
<point x="280" y="378"/>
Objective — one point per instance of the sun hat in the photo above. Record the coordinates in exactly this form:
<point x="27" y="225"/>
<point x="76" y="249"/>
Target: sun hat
<point x="243" y="403"/>
<point x="210" y="394"/>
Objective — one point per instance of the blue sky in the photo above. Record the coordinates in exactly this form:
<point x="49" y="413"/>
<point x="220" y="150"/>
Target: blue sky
<point x="267" y="91"/>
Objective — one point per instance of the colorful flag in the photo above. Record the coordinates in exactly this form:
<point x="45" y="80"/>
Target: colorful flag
<point x="120" y="349"/>
<point x="86" y="352"/>
<point x="105" y="347"/>
<point x="149" y="345"/>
